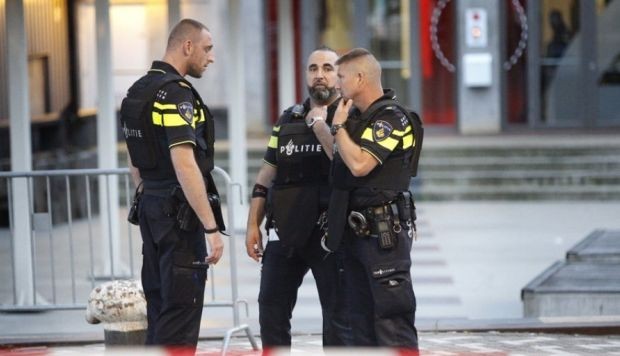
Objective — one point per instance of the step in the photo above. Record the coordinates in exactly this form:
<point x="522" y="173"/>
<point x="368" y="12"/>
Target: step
<point x="568" y="288"/>
<point x="587" y="283"/>
<point x="599" y="246"/>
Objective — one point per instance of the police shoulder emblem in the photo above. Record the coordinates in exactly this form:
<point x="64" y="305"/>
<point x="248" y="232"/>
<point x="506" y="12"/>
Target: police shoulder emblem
<point x="186" y="109"/>
<point x="381" y="130"/>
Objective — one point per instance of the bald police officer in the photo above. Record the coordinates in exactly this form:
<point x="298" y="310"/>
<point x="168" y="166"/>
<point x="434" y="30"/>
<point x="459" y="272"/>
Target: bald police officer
<point x="371" y="210"/>
<point x="169" y="134"/>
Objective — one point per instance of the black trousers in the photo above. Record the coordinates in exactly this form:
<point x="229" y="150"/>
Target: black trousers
<point x="173" y="275"/>
<point x="379" y="291"/>
<point x="282" y="273"/>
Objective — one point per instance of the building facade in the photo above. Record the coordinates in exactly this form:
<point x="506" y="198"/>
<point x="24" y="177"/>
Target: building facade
<point x="530" y="64"/>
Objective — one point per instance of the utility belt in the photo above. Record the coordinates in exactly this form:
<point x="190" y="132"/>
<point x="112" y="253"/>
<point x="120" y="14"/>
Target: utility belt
<point x="177" y="206"/>
<point x="386" y="221"/>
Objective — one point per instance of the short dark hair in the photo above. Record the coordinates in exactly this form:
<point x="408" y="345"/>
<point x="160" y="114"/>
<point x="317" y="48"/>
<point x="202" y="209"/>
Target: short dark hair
<point x="182" y="29"/>
<point x="353" y="54"/>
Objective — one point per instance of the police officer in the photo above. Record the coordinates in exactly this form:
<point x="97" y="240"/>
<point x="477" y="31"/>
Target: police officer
<point x="371" y="209"/>
<point x="169" y="135"/>
<point x="295" y="175"/>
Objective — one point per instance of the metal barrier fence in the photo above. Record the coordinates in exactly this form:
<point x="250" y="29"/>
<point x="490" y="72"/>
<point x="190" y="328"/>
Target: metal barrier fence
<point x="61" y="239"/>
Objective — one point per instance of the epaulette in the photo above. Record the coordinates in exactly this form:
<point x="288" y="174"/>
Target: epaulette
<point x="185" y="85"/>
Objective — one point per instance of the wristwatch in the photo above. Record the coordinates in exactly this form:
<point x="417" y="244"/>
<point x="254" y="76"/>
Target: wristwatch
<point x="312" y="120"/>
<point x="334" y="129"/>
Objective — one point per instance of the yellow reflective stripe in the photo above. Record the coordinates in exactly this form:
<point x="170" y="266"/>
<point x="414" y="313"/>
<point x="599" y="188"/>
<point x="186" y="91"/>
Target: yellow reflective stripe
<point x="401" y="133"/>
<point x="156" y="117"/>
<point x="182" y="142"/>
<point x="174" y="120"/>
<point x="273" y="142"/>
<point x="276" y="129"/>
<point x="408" y="141"/>
<point x="202" y="116"/>
<point x="389" y="143"/>
<point x="159" y="106"/>
<point x="367" y="135"/>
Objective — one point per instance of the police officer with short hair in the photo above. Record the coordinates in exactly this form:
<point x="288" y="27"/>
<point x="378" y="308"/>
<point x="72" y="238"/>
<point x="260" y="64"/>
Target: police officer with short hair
<point x="371" y="210"/>
<point x="295" y="176"/>
<point x="169" y="134"/>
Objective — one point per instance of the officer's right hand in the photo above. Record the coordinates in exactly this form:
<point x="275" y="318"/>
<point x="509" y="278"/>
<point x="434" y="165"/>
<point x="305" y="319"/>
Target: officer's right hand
<point x="216" y="247"/>
<point x="254" y="243"/>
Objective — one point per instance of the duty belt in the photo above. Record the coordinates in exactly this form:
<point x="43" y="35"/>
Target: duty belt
<point x="364" y="223"/>
<point x="158" y="192"/>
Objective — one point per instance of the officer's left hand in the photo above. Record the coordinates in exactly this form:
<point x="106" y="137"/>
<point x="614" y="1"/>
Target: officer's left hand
<point x="342" y="111"/>
<point x="216" y="247"/>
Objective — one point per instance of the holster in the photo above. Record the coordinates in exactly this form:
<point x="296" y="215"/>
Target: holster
<point x="216" y="204"/>
<point x="133" y="217"/>
<point x="187" y="218"/>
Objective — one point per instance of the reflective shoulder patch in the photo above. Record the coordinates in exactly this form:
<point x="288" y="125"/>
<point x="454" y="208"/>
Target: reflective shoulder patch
<point x="183" y="84"/>
<point x="381" y="130"/>
<point x="186" y="109"/>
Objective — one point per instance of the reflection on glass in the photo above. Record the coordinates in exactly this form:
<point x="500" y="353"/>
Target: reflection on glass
<point x="335" y="24"/>
<point x="388" y="22"/>
<point x="608" y="60"/>
<point x="560" y="62"/>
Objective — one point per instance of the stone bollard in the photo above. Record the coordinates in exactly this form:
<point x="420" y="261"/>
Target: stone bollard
<point x="121" y="307"/>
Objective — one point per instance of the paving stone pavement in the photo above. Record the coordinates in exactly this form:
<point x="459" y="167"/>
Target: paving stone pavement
<point x="444" y="343"/>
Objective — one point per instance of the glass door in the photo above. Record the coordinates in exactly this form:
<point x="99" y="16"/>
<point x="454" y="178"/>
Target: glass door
<point x="388" y="22"/>
<point x="560" y="49"/>
<point x="607" y="72"/>
<point x="574" y="63"/>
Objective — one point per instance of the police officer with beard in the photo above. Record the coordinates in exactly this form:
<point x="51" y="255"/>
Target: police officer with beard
<point x="169" y="134"/>
<point x="377" y="149"/>
<point x="295" y="177"/>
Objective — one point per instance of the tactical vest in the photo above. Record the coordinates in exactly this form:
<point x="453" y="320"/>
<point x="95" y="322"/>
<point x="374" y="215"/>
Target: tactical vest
<point x="300" y="191"/>
<point x="146" y="142"/>
<point x="396" y="172"/>
<point x="300" y="156"/>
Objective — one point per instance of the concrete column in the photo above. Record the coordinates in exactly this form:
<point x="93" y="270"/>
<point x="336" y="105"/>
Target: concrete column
<point x="236" y="106"/>
<point x="21" y="151"/>
<point x="106" y="143"/>
<point x="479" y="69"/>
<point x="286" y="56"/>
<point x="415" y="81"/>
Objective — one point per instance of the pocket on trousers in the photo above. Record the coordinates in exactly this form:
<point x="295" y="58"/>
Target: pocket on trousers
<point x="188" y="280"/>
<point x="392" y="288"/>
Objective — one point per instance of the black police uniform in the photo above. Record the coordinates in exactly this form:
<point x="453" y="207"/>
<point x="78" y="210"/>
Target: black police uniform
<point x="298" y="198"/>
<point x="377" y="257"/>
<point x="162" y="110"/>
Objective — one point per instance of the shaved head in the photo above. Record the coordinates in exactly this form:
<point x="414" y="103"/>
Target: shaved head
<point x="362" y="61"/>
<point x="186" y="29"/>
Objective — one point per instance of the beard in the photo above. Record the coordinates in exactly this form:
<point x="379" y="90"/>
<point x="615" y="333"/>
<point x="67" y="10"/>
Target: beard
<point x="322" y="94"/>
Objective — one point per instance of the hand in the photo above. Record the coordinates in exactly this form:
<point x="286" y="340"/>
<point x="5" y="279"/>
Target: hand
<point x="342" y="111"/>
<point x="254" y="243"/>
<point x="216" y="247"/>
<point x="318" y="111"/>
